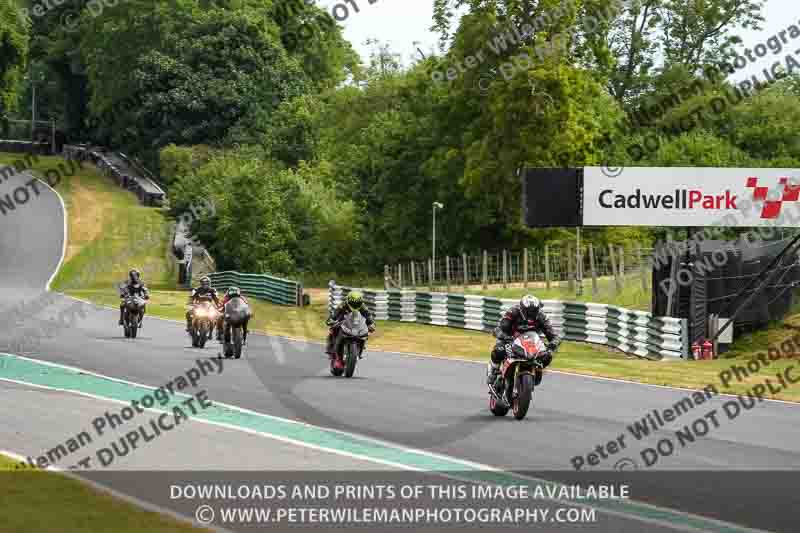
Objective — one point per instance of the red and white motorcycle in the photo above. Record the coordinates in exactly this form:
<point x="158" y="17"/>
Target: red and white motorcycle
<point x="520" y="372"/>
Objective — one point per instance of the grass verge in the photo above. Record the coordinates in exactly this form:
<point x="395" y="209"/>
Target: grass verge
<point x="632" y="295"/>
<point x="39" y="501"/>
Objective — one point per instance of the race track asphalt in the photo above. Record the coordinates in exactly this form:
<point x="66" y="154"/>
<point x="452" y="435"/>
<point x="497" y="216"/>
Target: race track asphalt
<point x="433" y="404"/>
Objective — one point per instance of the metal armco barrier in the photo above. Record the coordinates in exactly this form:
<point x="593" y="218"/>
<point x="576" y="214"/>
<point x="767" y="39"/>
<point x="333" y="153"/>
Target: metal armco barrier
<point x="634" y="332"/>
<point x="276" y="290"/>
<point x="25" y="147"/>
<point x="117" y="166"/>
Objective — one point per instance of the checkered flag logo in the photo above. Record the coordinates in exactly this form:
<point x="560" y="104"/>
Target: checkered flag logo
<point x="773" y="199"/>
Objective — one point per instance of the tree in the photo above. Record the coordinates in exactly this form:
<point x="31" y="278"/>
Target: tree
<point x="14" y="42"/>
<point x="655" y="35"/>
<point x="249" y="229"/>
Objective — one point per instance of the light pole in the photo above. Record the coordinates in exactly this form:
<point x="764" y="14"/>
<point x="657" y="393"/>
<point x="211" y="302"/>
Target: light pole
<point x="433" y="255"/>
<point x="32" y="78"/>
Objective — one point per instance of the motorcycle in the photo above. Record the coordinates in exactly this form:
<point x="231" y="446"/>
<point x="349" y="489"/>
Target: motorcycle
<point x="520" y="372"/>
<point x="235" y="314"/>
<point x="350" y="343"/>
<point x="132" y="314"/>
<point x="204" y="316"/>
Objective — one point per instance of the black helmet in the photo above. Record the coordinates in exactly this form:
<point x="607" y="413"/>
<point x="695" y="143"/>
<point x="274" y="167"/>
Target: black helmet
<point x="205" y="282"/>
<point x="134" y="275"/>
<point x="529" y="306"/>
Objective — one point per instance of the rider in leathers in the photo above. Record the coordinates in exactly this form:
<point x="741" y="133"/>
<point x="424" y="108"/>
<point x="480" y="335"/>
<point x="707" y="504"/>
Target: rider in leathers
<point x="353" y="302"/>
<point x="528" y="315"/>
<point x="203" y="292"/>
<point x="135" y="287"/>
<point x="233" y="292"/>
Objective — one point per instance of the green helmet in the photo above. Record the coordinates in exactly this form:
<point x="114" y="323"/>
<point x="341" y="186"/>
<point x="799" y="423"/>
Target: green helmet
<point x="355" y="300"/>
<point x="234" y="291"/>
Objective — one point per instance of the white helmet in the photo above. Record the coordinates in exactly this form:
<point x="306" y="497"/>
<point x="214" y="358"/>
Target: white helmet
<point x="529" y="306"/>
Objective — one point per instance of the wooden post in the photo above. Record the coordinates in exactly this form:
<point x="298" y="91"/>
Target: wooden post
<point x="447" y="270"/>
<point x="570" y="270"/>
<point x="579" y="270"/>
<point x="466" y="271"/>
<point x="525" y="268"/>
<point x="642" y="266"/>
<point x="505" y="268"/>
<point x="673" y="278"/>
<point x="413" y="275"/>
<point x="621" y="267"/>
<point x="592" y="270"/>
<point x="485" y="268"/>
<point x="547" y="266"/>
<point x="614" y="271"/>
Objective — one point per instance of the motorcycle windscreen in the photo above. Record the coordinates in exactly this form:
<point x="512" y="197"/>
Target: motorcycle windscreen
<point x="355" y="325"/>
<point x="236" y="311"/>
<point x="203" y="309"/>
<point x="529" y="343"/>
<point x="134" y="303"/>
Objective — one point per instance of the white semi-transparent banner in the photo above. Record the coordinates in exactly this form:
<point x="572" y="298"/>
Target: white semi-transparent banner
<point x="684" y="196"/>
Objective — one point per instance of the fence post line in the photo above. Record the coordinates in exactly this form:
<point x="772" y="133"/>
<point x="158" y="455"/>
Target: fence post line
<point x="614" y="271"/>
<point x="413" y="276"/>
<point x="547" y="265"/>
<point x="466" y="270"/>
<point x="593" y="270"/>
<point x="570" y="271"/>
<point x="505" y="268"/>
<point x="579" y="270"/>
<point x="621" y="268"/>
<point x="525" y="268"/>
<point x="642" y="266"/>
<point x="447" y="270"/>
<point x="400" y="275"/>
<point x="485" y="267"/>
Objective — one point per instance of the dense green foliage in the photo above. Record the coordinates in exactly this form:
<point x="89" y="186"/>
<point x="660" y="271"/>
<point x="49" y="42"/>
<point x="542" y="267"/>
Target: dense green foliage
<point x="320" y="164"/>
<point x="14" y="40"/>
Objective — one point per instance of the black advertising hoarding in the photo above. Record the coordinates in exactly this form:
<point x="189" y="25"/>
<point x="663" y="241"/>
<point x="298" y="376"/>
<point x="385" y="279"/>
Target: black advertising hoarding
<point x="551" y="197"/>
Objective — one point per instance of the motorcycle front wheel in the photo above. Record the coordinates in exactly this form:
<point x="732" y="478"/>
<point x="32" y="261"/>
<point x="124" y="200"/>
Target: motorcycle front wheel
<point x="133" y="322"/>
<point x="237" y="342"/>
<point x="522" y="402"/>
<point x="202" y="336"/>
<point x="195" y="335"/>
<point x="351" y="354"/>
